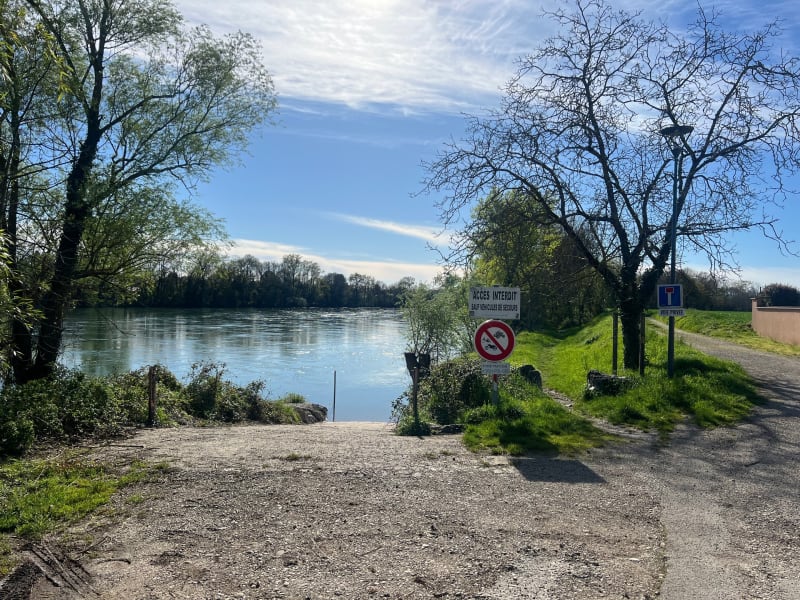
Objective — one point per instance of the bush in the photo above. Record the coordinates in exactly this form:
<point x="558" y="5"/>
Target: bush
<point x="453" y="387"/>
<point x="69" y="405"/>
<point x="16" y="436"/>
<point x="213" y="398"/>
<point x="132" y="393"/>
<point x="265" y="411"/>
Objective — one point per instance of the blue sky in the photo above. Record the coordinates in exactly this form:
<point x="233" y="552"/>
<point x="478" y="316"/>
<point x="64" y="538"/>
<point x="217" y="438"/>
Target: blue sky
<point x="368" y="90"/>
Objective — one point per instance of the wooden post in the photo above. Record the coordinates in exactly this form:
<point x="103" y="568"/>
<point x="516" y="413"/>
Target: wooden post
<point x="415" y="407"/>
<point x="614" y="342"/>
<point x="334" y="396"/>
<point x="151" y="398"/>
<point x="641" y="344"/>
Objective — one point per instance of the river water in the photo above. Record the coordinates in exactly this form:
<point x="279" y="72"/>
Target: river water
<point x="356" y="354"/>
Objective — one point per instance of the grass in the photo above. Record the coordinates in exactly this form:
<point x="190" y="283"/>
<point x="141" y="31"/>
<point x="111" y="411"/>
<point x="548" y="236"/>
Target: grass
<point x="41" y="496"/>
<point x="712" y="392"/>
<point x="730" y="325"/>
<point x="706" y="390"/>
<point x="538" y="424"/>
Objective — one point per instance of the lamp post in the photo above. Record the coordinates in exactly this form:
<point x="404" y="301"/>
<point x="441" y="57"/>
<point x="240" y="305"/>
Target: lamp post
<point x="674" y="135"/>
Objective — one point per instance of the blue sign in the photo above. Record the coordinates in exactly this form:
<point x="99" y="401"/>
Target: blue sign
<point x="670" y="296"/>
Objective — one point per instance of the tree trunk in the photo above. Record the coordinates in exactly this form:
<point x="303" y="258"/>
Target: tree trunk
<point x="630" y="316"/>
<point x="77" y="210"/>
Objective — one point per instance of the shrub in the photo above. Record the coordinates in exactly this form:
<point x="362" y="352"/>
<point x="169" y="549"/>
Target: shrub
<point x="16" y="436"/>
<point x="293" y="398"/>
<point x="68" y="405"/>
<point x="211" y="397"/>
<point x="132" y="393"/>
<point x="203" y="388"/>
<point x="265" y="411"/>
<point x="453" y="387"/>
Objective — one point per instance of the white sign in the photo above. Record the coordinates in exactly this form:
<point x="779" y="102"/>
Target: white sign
<point x="671" y="312"/>
<point x="495" y="368"/>
<point x="494" y="302"/>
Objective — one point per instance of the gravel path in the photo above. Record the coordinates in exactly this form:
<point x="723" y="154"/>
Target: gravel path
<point x="348" y="510"/>
<point x="731" y="496"/>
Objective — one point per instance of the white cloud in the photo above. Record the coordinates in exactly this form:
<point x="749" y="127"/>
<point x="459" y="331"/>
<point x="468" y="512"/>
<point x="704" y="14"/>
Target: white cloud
<point x="415" y="54"/>
<point x="385" y="271"/>
<point x="759" y="276"/>
<point x="418" y="55"/>
<point x="762" y="276"/>
<point x="432" y="235"/>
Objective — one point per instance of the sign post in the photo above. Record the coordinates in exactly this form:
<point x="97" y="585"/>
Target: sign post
<point x="494" y="302"/>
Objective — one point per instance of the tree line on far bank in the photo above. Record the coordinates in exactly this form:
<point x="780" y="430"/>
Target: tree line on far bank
<point x="556" y="291"/>
<point x="211" y="281"/>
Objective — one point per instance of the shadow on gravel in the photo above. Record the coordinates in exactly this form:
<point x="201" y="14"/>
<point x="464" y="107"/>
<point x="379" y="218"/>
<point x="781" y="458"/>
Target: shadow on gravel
<point x="542" y="468"/>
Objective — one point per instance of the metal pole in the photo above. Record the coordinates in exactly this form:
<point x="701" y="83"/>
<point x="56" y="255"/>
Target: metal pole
<point x="676" y="152"/>
<point x="674" y="135"/>
<point x="334" y="396"/>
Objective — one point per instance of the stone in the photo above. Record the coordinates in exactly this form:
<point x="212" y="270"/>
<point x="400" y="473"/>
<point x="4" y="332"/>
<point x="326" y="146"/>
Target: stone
<point x="310" y="413"/>
<point x="603" y="384"/>
<point x="532" y="375"/>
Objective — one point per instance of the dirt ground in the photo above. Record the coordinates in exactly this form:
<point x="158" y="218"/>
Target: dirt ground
<point x="348" y="510"/>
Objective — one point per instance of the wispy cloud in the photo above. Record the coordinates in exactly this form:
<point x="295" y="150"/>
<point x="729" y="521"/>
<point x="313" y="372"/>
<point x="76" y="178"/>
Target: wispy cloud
<point x="762" y="276"/>
<point x="415" y="54"/>
<point x="385" y="271"/>
<point x="433" y="235"/>
<point x="418" y="55"/>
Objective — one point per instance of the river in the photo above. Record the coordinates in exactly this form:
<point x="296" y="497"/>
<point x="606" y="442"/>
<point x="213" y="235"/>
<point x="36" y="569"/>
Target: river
<point x="358" y="353"/>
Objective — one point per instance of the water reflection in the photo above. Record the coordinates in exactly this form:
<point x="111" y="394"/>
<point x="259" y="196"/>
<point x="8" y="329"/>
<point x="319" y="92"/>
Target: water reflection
<point x="292" y="351"/>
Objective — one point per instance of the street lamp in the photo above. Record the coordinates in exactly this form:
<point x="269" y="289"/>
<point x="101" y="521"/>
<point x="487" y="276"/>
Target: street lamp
<point x="674" y="135"/>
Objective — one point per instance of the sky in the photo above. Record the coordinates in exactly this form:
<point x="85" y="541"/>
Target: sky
<point x="368" y="91"/>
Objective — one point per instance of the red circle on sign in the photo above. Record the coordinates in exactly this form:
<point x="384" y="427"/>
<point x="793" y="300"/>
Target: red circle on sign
<point x="494" y="340"/>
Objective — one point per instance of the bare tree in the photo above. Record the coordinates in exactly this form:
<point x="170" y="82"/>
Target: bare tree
<point x="579" y="131"/>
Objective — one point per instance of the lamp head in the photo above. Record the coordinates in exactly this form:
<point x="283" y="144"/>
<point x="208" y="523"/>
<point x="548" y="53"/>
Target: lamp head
<point x="673" y="131"/>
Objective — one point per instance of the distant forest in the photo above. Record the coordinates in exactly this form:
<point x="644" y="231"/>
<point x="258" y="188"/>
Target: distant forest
<point x="215" y="282"/>
<point x="212" y="282"/>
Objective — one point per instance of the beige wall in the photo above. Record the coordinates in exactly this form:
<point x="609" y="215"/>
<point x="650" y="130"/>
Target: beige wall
<point x="781" y="324"/>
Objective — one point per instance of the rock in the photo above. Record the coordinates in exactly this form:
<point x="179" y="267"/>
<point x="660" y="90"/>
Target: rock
<point x="451" y="429"/>
<point x="531" y="375"/>
<point x="602" y="384"/>
<point x="310" y="413"/>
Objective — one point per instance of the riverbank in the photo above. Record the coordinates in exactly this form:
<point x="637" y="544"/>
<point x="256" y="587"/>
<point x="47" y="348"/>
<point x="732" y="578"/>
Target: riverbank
<point x="351" y="510"/>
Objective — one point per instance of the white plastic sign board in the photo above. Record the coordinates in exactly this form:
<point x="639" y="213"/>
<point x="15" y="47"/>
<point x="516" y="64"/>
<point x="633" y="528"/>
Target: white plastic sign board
<point x="495" y="368"/>
<point x="494" y="302"/>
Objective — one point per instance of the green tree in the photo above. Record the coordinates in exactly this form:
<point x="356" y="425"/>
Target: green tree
<point x="141" y="101"/>
<point x="781" y="294"/>
<point x="508" y="245"/>
<point x="437" y="320"/>
<point x="580" y="132"/>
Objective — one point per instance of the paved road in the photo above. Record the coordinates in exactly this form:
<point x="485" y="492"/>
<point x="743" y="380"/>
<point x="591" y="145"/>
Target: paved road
<point x="730" y="496"/>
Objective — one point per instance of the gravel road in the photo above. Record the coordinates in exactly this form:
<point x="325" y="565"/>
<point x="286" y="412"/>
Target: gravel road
<point x="348" y="510"/>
